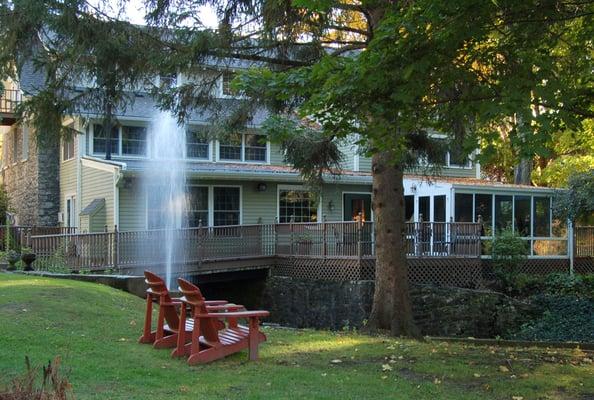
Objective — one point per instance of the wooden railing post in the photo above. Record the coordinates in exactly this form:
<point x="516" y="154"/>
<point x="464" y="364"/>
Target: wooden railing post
<point x="116" y="247"/>
<point x="360" y="238"/>
<point x="324" y="237"/>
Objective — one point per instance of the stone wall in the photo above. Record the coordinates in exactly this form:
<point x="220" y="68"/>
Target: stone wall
<point x="31" y="179"/>
<point x="20" y="176"/>
<point x="438" y="311"/>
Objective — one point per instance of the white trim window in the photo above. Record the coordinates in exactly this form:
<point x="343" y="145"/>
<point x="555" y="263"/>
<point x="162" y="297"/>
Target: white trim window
<point x="197" y="206"/>
<point x="126" y="140"/>
<point x="297" y="205"/>
<point x="448" y="154"/>
<point x="247" y="147"/>
<point x="70" y="211"/>
<point x="226" y="78"/>
<point x="67" y="149"/>
<point x="226" y="205"/>
<point x="197" y="145"/>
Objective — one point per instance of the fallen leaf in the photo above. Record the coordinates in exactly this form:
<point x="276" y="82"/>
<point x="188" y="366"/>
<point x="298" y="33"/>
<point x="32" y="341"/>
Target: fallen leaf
<point x="386" y="367"/>
<point x="517" y="397"/>
<point x="336" y="361"/>
<point x="503" y="368"/>
<point x="477" y="375"/>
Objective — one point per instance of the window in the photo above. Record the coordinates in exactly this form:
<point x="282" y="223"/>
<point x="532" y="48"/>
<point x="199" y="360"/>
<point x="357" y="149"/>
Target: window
<point x="227" y="77"/>
<point x="134" y="141"/>
<point x="297" y="206"/>
<point x="522" y="221"/>
<point x="100" y="141"/>
<point x="197" y="206"/>
<point x="230" y="149"/>
<point x="197" y="145"/>
<point x="69" y="212"/>
<point x="226" y="207"/>
<point x="67" y="149"/>
<point x="541" y="216"/>
<point x="483" y="204"/>
<point x="503" y="212"/>
<point x="248" y="147"/>
<point x="457" y="157"/>
<point x="463" y="207"/>
<point x="255" y="147"/>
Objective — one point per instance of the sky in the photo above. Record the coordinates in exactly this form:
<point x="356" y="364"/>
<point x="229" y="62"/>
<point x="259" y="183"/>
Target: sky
<point x="134" y="11"/>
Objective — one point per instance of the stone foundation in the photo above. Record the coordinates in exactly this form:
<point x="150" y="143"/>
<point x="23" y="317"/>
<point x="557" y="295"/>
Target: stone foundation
<point x="438" y="311"/>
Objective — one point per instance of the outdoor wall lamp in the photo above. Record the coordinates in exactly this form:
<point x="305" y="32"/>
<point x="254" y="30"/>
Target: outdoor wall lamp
<point x="330" y="206"/>
<point x="262" y="187"/>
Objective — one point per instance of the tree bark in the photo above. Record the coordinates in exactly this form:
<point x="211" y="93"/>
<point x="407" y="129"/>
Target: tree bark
<point x="391" y="308"/>
<point x="523" y="172"/>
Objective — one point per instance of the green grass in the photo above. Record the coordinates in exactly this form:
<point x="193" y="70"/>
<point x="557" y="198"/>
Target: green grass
<point x="94" y="329"/>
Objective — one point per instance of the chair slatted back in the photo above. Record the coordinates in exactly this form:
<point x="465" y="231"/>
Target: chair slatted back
<point x="193" y="296"/>
<point x="158" y="290"/>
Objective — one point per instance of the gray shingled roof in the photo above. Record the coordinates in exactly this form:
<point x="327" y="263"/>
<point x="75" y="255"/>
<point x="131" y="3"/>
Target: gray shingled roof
<point x="93" y="207"/>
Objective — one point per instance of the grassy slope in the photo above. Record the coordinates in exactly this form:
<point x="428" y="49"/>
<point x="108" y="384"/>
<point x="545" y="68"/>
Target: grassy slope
<point x="94" y="329"/>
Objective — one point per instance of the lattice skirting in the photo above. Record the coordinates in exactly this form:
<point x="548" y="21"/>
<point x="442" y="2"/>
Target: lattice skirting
<point x="438" y="271"/>
<point x="458" y="272"/>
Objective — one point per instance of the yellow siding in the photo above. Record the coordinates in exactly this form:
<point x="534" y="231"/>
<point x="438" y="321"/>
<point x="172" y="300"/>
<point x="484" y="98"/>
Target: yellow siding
<point x="132" y="206"/>
<point x="98" y="184"/>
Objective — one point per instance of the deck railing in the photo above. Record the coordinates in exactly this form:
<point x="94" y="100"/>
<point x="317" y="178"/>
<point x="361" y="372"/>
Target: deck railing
<point x="9" y="100"/>
<point x="349" y="240"/>
<point x="18" y="235"/>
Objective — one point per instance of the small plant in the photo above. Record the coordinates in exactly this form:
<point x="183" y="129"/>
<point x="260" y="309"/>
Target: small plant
<point x="28" y="386"/>
<point x="12" y="257"/>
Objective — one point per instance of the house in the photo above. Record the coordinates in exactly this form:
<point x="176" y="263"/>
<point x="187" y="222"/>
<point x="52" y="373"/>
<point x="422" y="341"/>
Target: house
<point x="244" y="182"/>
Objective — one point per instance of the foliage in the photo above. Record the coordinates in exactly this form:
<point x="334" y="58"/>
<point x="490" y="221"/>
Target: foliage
<point x="55" y="263"/>
<point x="509" y="250"/>
<point x="3" y="204"/>
<point x="563" y="318"/>
<point x="77" y="320"/>
<point x="556" y="284"/>
<point x="577" y="202"/>
<point x="51" y="387"/>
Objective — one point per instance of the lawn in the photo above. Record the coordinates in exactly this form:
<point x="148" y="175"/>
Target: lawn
<point x="94" y="329"/>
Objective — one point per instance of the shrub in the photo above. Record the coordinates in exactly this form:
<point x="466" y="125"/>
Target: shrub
<point x="508" y="253"/>
<point x="28" y="387"/>
<point x="562" y="318"/>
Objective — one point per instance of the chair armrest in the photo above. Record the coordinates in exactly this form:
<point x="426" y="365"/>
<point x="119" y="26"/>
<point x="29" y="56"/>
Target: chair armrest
<point x="224" y="307"/>
<point x="215" y="302"/>
<point x="236" y="314"/>
<point x="171" y="303"/>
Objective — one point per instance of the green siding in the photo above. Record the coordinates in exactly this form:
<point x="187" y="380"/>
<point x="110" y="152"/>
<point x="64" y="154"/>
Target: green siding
<point x="256" y="206"/>
<point x="276" y="155"/>
<point x="98" y="184"/>
<point x="364" y="164"/>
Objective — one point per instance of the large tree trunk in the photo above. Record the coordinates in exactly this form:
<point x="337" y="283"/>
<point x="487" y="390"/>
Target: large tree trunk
<point x="523" y="172"/>
<point x="391" y="301"/>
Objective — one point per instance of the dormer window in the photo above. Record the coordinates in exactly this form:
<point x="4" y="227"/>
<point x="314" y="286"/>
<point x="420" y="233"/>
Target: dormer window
<point x="125" y="140"/>
<point x="197" y="145"/>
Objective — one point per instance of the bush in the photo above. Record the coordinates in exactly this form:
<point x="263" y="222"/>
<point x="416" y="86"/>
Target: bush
<point x="28" y="387"/>
<point x="508" y="253"/>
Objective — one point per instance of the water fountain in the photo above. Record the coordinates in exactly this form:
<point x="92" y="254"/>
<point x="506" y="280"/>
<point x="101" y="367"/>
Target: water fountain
<point x="165" y="184"/>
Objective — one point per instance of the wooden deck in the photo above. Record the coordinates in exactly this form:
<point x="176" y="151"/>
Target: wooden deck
<point x="222" y="249"/>
<point x="9" y="100"/>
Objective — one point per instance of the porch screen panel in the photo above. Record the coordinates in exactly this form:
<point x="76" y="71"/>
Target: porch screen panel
<point x="439" y="209"/>
<point x="226" y="206"/>
<point x="100" y="141"/>
<point x="197" y="206"/>
<point x="483" y="206"/>
<point x="522" y="220"/>
<point x="297" y="206"/>
<point x="503" y="212"/>
<point x="424" y="208"/>
<point x="134" y="140"/>
<point x="463" y="207"/>
<point x="409" y="208"/>
<point x="542" y="215"/>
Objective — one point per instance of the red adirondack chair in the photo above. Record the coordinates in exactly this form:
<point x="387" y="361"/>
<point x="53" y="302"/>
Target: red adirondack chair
<point x="209" y="343"/>
<point x="168" y="323"/>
